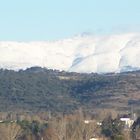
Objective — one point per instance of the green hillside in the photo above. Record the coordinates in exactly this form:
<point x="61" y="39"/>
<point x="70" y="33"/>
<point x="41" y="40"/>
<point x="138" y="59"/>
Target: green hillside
<point x="38" y="89"/>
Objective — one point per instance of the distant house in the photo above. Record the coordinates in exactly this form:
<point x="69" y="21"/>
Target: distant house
<point x="92" y="121"/>
<point x="128" y="122"/>
<point x="89" y="121"/>
<point x="97" y="139"/>
<point x="93" y="139"/>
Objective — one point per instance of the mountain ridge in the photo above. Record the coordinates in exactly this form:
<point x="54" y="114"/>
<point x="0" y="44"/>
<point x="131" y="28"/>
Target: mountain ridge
<point x="37" y="89"/>
<point x="82" y="54"/>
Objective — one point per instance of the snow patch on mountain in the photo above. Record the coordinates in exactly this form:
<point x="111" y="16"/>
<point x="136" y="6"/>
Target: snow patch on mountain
<point x="84" y="54"/>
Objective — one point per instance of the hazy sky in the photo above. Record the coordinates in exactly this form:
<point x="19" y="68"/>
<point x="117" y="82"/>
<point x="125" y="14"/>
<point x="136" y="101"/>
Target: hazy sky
<point x="25" y="20"/>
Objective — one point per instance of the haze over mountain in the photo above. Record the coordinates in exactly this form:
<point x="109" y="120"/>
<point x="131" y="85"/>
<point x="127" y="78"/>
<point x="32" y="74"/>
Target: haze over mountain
<point x="83" y="54"/>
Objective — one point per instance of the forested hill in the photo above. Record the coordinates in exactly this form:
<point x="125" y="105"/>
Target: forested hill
<point x="38" y="89"/>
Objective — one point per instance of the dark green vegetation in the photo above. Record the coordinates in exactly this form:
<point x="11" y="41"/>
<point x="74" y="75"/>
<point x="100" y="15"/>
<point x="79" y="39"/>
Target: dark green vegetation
<point x="38" y="89"/>
<point x="112" y="128"/>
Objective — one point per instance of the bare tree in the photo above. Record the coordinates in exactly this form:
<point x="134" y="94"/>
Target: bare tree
<point x="59" y="127"/>
<point x="10" y="131"/>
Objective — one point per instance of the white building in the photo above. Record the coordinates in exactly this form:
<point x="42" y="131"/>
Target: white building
<point x="128" y="122"/>
<point x="93" y="139"/>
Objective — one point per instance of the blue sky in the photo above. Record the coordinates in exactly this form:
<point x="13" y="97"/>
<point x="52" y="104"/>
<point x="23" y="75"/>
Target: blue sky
<point x="28" y="20"/>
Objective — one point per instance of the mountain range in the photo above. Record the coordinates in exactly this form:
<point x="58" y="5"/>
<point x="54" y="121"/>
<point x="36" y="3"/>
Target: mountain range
<point x="83" y="54"/>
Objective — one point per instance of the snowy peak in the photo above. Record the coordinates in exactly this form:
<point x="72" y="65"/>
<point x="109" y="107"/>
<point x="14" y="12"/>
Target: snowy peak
<point x="84" y="54"/>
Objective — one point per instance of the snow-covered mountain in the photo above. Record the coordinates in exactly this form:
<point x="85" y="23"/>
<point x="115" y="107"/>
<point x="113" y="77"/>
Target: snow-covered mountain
<point x="84" y="54"/>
